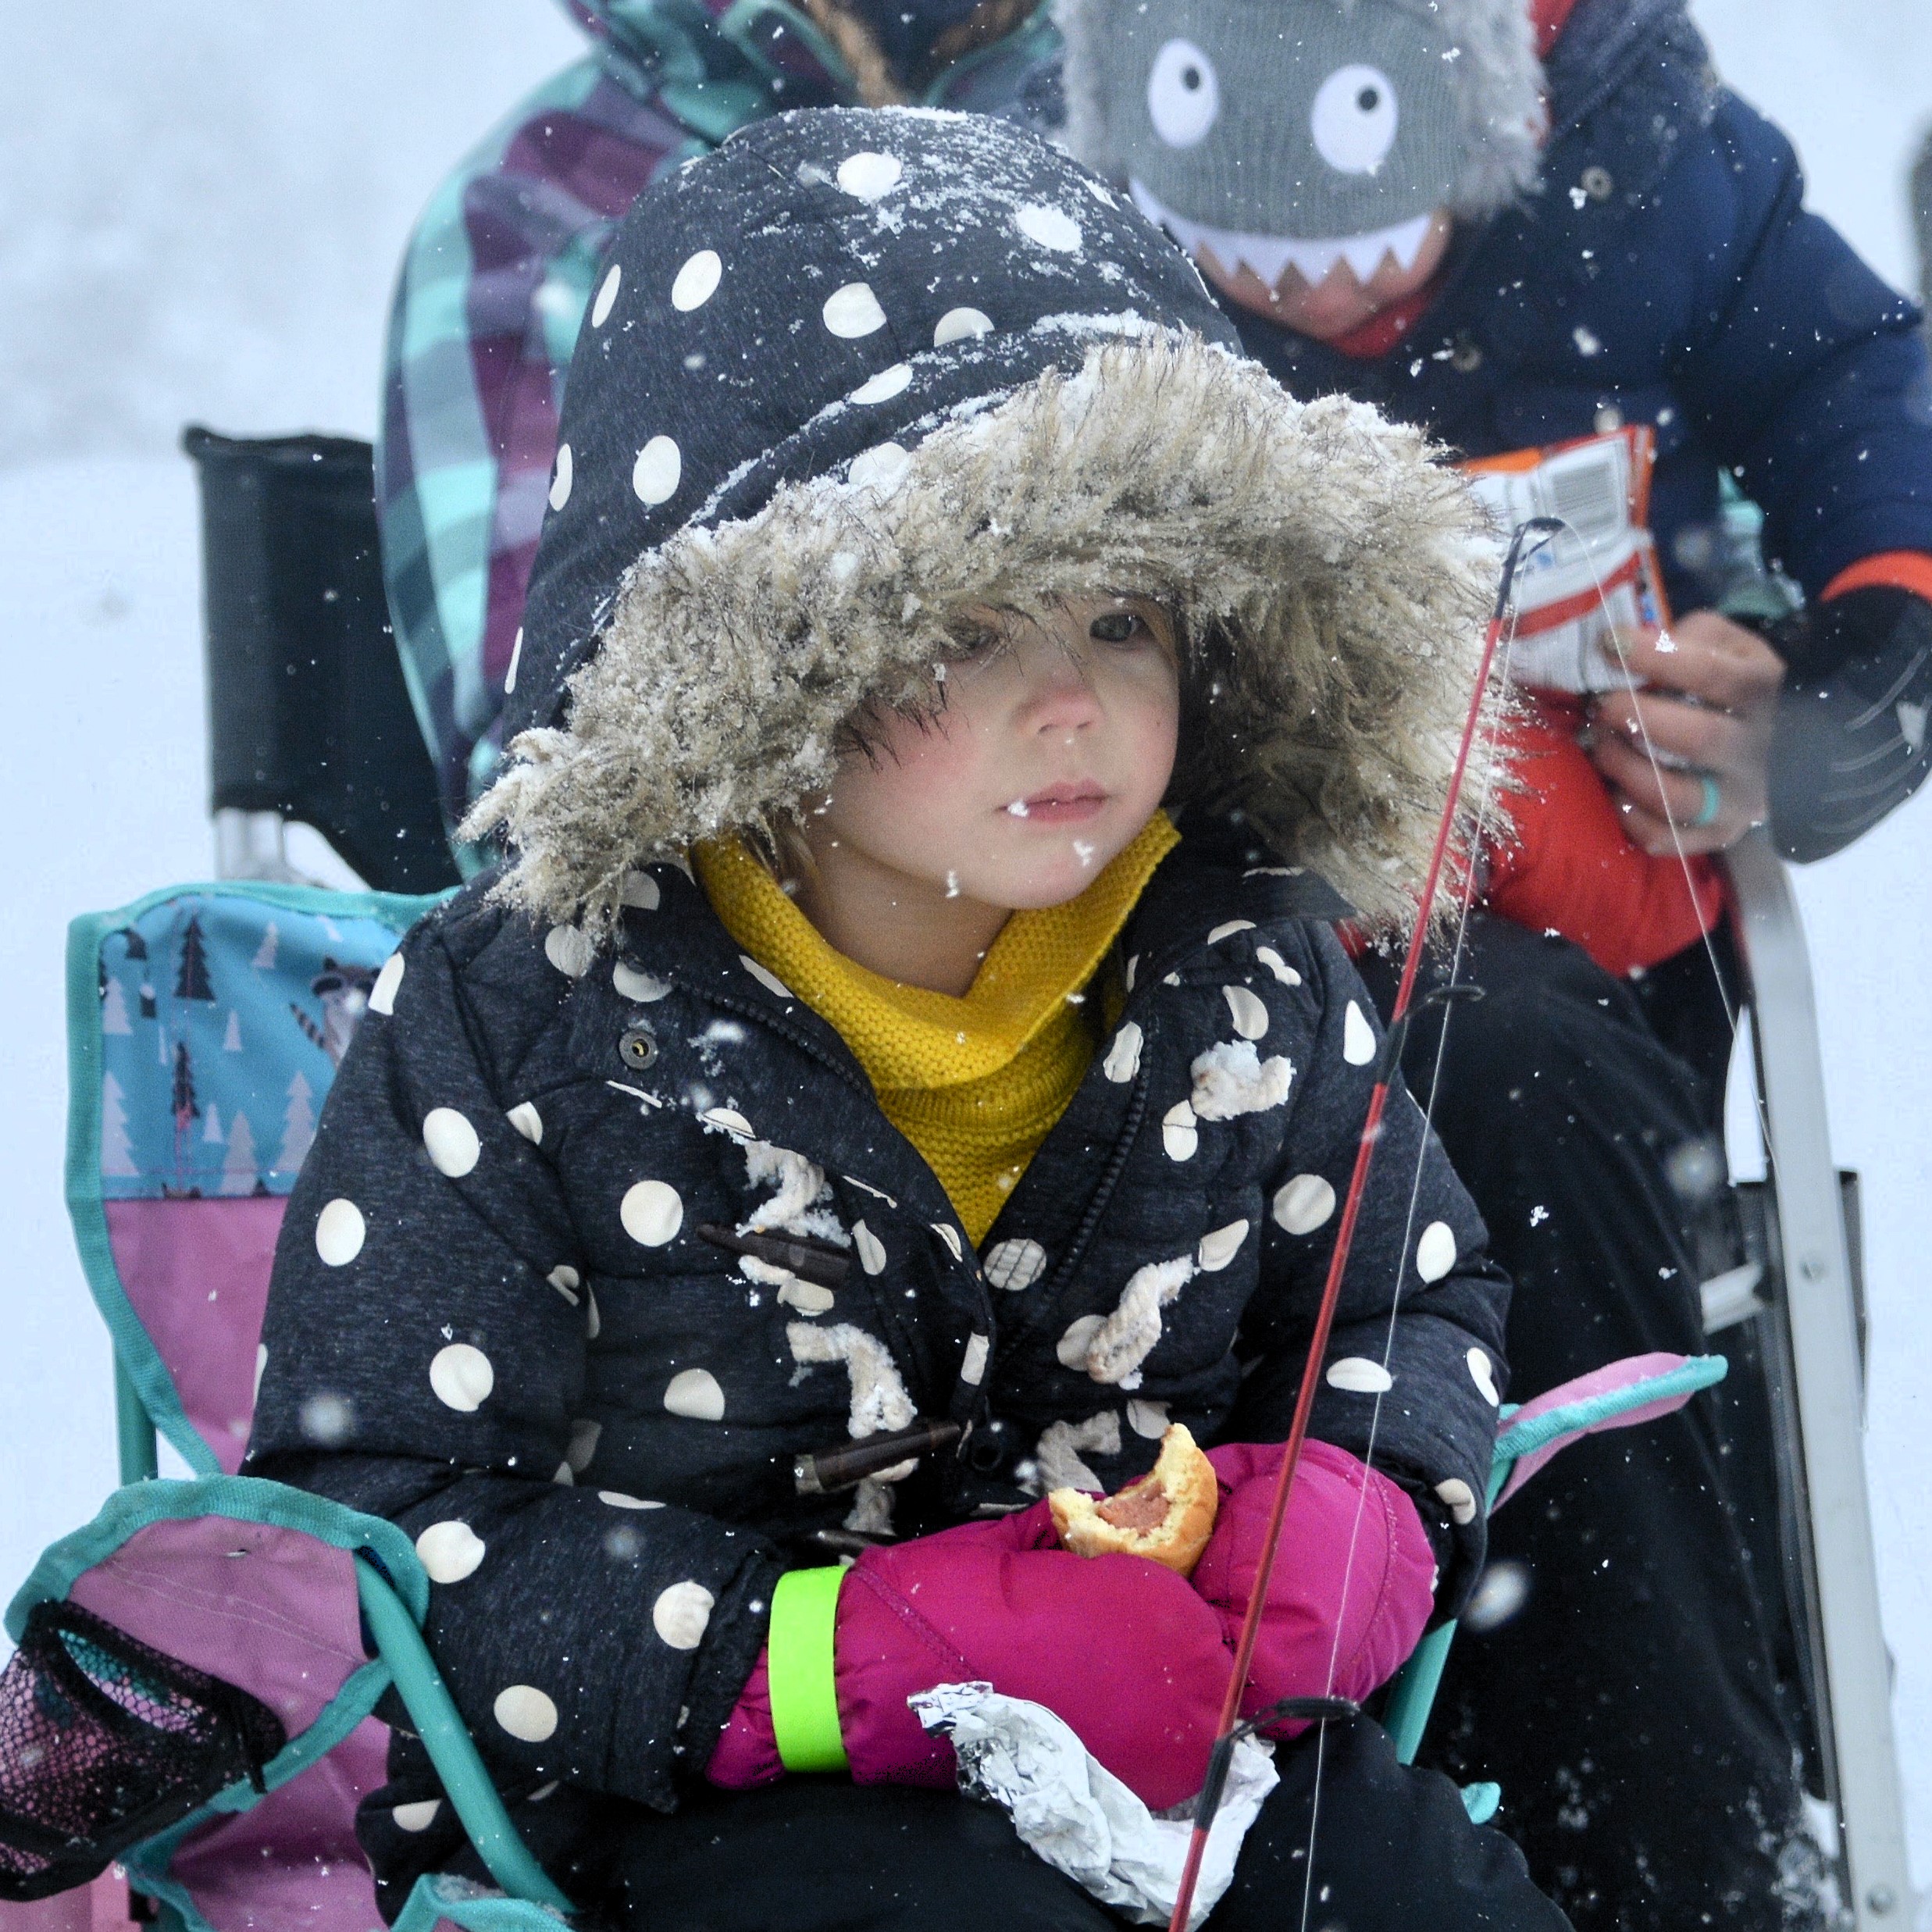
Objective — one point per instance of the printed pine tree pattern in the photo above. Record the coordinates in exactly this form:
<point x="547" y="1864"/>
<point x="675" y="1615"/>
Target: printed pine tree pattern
<point x="187" y="1110"/>
<point x="298" y="1128"/>
<point x="222" y="1022"/>
<point x="117" y="1151"/>
<point x="113" y="1006"/>
<point x="192" y="981"/>
<point x="238" y="1174"/>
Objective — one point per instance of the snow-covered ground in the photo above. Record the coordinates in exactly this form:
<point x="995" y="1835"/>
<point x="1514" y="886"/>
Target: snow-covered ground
<point x="204" y="206"/>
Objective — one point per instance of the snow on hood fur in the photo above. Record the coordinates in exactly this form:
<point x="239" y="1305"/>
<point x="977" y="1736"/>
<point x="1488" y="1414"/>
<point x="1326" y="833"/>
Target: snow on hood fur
<point x="763" y="523"/>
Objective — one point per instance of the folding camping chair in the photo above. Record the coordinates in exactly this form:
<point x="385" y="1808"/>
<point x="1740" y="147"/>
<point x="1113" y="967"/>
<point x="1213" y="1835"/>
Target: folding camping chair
<point x="263" y="1622"/>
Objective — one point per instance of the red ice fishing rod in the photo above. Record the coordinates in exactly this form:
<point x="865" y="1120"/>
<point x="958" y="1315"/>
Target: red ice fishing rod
<point x="1231" y="1727"/>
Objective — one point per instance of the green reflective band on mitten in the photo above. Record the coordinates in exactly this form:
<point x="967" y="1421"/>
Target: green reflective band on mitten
<point x="799" y="1664"/>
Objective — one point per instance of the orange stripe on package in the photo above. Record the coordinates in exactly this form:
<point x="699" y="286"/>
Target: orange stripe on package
<point x="1599" y="574"/>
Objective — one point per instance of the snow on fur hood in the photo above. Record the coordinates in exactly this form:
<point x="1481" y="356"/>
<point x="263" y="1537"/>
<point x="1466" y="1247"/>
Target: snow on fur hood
<point x="861" y="370"/>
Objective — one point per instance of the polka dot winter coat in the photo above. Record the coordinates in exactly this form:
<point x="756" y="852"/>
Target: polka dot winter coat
<point x="605" y="1252"/>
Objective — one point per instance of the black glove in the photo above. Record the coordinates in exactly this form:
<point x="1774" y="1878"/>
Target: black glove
<point x="1851" y="741"/>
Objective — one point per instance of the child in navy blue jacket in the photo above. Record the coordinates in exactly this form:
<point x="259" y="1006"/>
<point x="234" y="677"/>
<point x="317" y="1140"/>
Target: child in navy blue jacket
<point x="1519" y="226"/>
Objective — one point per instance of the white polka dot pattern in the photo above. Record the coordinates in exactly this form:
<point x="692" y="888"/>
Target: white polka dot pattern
<point x="1304" y="1204"/>
<point x="641" y="890"/>
<point x="852" y="311"/>
<point x="652" y="1212"/>
<point x="654" y="477"/>
<point x="561" y="477"/>
<point x="1220" y="1247"/>
<point x="1072" y="1346"/>
<point x="1123" y="1057"/>
<point x="450" y="1551"/>
<point x="340" y="1232"/>
<point x="681" y="1613"/>
<point x="1461" y="1499"/>
<point x="525" y="1712"/>
<point x="886" y="384"/>
<point x="1147" y="1419"/>
<point x="1051" y="227"/>
<point x="765" y="977"/>
<point x="570" y="950"/>
<point x="1250" y="1015"/>
<point x="949" y="1235"/>
<point x="959" y="324"/>
<point x="867" y="177"/>
<point x="696" y="281"/>
<point x="1228" y="930"/>
<point x="1358" y="1376"/>
<point x="1435" y="1252"/>
<point x="729" y="1121"/>
<point x="566" y="1280"/>
<point x="516" y="658"/>
<point x="382" y="996"/>
<point x="1277" y="966"/>
<point x="450" y="1142"/>
<point x="1016" y="1265"/>
<point x="1180" y="1134"/>
<point x="1482" y="1373"/>
<point x="527" y="1122"/>
<point x="617" y="1500"/>
<point x="871" y="1251"/>
<point x="607" y="297"/>
<point x="972" y="1368"/>
<point x="417" y="1817"/>
<point x="1358" y="1037"/>
<point x="694" y="1393"/>
<point x="461" y="1377"/>
<point x="641" y="988"/>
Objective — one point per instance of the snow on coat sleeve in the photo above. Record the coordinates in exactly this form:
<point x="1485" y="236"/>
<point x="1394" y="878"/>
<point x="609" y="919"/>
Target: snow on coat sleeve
<point x="423" y="1364"/>
<point x="1415" y="1370"/>
<point x="1810" y="372"/>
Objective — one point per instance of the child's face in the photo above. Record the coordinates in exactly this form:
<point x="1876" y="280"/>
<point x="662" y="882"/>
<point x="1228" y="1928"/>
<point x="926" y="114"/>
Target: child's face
<point x="1053" y="746"/>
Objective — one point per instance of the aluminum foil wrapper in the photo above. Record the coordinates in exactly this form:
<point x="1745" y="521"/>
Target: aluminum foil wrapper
<point x="1078" y="1816"/>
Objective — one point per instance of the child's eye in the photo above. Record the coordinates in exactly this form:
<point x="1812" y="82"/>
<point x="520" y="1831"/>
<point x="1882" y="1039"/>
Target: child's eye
<point x="1125" y="625"/>
<point x="973" y="645"/>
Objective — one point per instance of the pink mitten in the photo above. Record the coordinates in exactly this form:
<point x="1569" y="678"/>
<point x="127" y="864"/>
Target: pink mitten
<point x="1123" y="1650"/>
<point x="1311" y="1643"/>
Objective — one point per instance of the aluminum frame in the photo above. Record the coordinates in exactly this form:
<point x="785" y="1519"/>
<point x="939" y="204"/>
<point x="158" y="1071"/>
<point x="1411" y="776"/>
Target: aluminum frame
<point x="1813" y="1321"/>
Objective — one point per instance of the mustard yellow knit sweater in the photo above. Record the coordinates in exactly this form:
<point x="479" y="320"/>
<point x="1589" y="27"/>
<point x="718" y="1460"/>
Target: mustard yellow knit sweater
<point x="974" y="1082"/>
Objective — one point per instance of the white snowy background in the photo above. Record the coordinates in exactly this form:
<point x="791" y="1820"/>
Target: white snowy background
<point x="201" y="205"/>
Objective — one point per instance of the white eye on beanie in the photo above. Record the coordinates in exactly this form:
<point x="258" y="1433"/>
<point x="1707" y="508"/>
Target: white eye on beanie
<point x="1194" y="93"/>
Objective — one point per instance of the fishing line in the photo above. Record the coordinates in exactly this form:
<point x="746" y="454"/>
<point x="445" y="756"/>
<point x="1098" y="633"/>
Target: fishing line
<point x="1481" y="821"/>
<point x="1221" y="1754"/>
<point x="1447" y="992"/>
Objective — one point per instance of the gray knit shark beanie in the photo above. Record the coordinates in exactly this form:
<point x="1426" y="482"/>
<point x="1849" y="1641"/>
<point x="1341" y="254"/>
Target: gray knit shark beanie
<point x="1304" y="131"/>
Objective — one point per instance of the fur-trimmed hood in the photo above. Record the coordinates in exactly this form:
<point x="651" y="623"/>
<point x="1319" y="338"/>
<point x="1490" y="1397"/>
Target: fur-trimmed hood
<point x="860" y="370"/>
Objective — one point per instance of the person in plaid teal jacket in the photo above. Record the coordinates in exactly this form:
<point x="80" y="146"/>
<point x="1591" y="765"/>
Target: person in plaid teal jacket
<point x="499" y="270"/>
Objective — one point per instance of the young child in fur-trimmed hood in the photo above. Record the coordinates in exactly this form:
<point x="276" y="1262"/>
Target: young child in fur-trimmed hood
<point x="908" y="1017"/>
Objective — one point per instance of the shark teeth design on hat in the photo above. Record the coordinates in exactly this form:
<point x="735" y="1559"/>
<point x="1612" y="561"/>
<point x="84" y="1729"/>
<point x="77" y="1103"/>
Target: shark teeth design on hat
<point x="1271" y="256"/>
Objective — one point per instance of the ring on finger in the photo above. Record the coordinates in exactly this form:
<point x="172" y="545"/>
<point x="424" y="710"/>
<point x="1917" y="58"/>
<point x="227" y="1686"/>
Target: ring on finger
<point x="1713" y="803"/>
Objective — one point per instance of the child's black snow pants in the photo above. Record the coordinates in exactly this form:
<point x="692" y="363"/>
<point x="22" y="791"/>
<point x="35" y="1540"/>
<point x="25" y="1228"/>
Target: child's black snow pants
<point x="1394" y="1851"/>
<point x="1634" y="1709"/>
